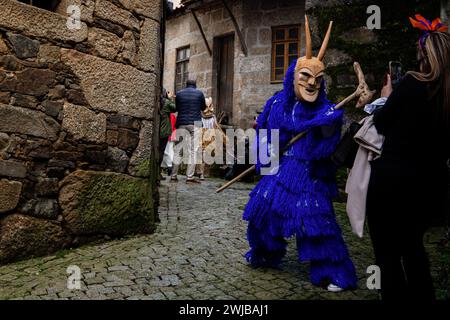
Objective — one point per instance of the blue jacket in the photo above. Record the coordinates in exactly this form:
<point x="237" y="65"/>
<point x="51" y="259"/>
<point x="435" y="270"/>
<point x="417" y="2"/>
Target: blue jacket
<point x="189" y="102"/>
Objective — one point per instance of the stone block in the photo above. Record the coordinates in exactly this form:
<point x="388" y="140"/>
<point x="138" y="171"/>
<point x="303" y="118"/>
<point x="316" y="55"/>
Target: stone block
<point x="49" y="53"/>
<point x="128" y="48"/>
<point x="108" y="11"/>
<point x="52" y="108"/>
<point x="23" y="46"/>
<point x="5" y="97"/>
<point x="113" y="87"/>
<point x="117" y="160"/>
<point x="112" y="137"/>
<point x="255" y="64"/>
<point x="86" y="6"/>
<point x="33" y="21"/>
<point x="115" y="121"/>
<point x="9" y="194"/>
<point x="10" y="63"/>
<point x="4" y="141"/>
<point x="148" y="54"/>
<point x="47" y="187"/>
<point x="38" y="149"/>
<point x="13" y="169"/>
<point x="29" y="122"/>
<point x="148" y="8"/>
<point x="58" y="92"/>
<point x="95" y="156"/>
<point x="140" y="160"/>
<point x="25" y="101"/>
<point x="53" y="163"/>
<point x="84" y="124"/>
<point x="67" y="155"/>
<point x="105" y="44"/>
<point x="106" y="203"/>
<point x="265" y="37"/>
<point x="127" y="139"/>
<point x="76" y="96"/>
<point x="23" y="237"/>
<point x="3" y="47"/>
<point x="41" y="208"/>
<point x="32" y="81"/>
<point x="111" y="27"/>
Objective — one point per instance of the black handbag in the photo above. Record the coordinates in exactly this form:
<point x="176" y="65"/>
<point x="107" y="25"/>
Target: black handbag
<point x="345" y="153"/>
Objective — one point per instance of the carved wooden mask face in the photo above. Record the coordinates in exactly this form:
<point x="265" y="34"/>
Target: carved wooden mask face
<point x="309" y="70"/>
<point x="308" y="79"/>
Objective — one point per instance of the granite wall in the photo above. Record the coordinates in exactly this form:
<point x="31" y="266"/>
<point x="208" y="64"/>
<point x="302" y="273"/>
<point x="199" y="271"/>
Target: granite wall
<point x="252" y="84"/>
<point x="77" y="119"/>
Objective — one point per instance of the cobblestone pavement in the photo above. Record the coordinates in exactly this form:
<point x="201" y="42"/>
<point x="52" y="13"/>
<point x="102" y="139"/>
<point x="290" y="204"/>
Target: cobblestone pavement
<point x="196" y="253"/>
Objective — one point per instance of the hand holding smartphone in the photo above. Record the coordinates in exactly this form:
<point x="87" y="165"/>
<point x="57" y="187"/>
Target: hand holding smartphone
<point x="396" y="73"/>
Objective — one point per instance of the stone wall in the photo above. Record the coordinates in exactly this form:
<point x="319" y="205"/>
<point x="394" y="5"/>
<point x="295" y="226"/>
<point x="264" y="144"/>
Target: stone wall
<point x="182" y="31"/>
<point x="77" y="119"/>
<point x="255" y="70"/>
<point x="252" y="85"/>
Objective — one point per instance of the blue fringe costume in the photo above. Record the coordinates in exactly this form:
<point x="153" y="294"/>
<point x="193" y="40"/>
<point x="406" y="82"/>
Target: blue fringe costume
<point x="298" y="199"/>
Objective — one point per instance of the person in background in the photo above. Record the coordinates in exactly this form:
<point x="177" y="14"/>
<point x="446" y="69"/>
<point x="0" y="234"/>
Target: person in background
<point x="209" y="123"/>
<point x="189" y="104"/>
<point x="168" y="152"/>
<point x="408" y="183"/>
<point x="165" y="127"/>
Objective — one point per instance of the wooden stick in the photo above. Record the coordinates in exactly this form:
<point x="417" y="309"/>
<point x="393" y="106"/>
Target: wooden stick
<point x="239" y="177"/>
<point x="362" y="92"/>
<point x="236" y="27"/>
<point x="202" y="32"/>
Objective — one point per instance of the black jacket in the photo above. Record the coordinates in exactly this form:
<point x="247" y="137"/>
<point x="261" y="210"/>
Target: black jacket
<point x="412" y="168"/>
<point x="189" y="102"/>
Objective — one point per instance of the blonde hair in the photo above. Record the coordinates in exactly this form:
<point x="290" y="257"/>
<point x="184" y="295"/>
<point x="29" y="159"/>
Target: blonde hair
<point x="436" y="56"/>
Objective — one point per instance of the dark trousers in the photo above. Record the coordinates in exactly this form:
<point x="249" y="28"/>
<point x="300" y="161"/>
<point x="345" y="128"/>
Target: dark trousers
<point x="397" y="220"/>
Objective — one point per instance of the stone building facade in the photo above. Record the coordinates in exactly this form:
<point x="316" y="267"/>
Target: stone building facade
<point x="258" y="21"/>
<point x="249" y="82"/>
<point x="78" y="114"/>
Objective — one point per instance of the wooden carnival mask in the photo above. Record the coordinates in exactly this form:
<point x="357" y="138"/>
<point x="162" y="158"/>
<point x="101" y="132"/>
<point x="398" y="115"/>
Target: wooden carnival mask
<point x="309" y="70"/>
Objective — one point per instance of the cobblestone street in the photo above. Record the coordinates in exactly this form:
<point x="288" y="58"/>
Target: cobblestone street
<point x="196" y="253"/>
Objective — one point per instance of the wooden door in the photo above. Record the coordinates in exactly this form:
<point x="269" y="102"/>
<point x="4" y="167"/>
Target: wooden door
<point x="224" y="57"/>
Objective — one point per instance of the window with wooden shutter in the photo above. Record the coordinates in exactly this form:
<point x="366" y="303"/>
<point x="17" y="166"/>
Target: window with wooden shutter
<point x="285" y="49"/>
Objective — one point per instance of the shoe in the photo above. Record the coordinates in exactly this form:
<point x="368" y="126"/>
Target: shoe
<point x="192" y="181"/>
<point x="202" y="177"/>
<point x="162" y="178"/>
<point x="173" y="179"/>
<point x="334" y="288"/>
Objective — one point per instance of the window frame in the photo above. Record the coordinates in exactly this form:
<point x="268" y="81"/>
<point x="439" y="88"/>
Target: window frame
<point x="286" y="41"/>
<point x="185" y="61"/>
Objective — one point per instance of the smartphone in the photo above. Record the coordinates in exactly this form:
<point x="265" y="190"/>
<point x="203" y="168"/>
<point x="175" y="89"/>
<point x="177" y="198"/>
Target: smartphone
<point x="396" y="72"/>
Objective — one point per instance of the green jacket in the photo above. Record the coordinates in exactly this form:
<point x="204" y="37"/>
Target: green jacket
<point x="165" y="127"/>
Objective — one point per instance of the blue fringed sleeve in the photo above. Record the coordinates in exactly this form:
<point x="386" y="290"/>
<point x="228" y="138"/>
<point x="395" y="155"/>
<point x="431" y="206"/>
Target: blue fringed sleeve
<point x="261" y="136"/>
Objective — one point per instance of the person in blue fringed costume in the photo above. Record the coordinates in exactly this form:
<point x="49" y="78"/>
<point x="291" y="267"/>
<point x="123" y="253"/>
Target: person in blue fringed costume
<point x="296" y="199"/>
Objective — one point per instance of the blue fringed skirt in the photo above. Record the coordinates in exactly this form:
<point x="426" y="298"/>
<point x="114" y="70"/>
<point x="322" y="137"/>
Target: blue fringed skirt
<point x="298" y="201"/>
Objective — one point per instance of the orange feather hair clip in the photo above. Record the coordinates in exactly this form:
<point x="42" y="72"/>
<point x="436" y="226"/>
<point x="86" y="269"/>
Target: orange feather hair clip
<point x="427" y="26"/>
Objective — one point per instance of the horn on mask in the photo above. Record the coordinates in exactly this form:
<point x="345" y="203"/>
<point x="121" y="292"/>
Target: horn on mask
<point x="308" y="39"/>
<point x="323" y="49"/>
